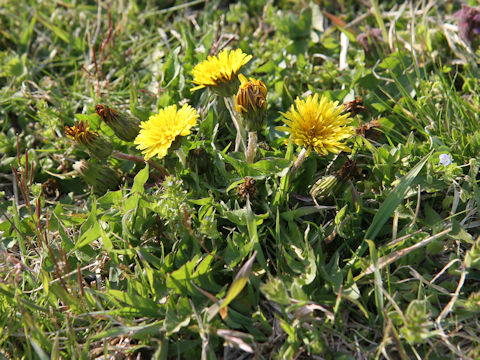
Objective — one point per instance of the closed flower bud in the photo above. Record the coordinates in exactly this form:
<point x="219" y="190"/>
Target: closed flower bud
<point x="100" y="177"/>
<point x="126" y="127"/>
<point x="251" y="103"/>
<point x="324" y="186"/>
<point x="330" y="184"/>
<point x="96" y="144"/>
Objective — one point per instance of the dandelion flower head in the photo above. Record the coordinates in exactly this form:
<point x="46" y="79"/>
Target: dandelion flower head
<point x="218" y="72"/>
<point x="161" y="130"/>
<point x="318" y="124"/>
<point x="96" y="144"/>
<point x="80" y="132"/>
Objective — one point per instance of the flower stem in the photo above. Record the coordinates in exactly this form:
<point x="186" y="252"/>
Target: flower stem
<point x="119" y="155"/>
<point x="298" y="162"/>
<point x="252" y="144"/>
<point x="182" y="156"/>
<point x="240" y="139"/>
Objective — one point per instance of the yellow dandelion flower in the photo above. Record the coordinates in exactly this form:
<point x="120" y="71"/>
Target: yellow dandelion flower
<point x="318" y="124"/>
<point x="161" y="130"/>
<point x="219" y="72"/>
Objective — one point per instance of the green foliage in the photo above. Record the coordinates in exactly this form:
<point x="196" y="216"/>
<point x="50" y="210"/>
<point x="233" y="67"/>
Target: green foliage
<point x="417" y="325"/>
<point x="172" y="259"/>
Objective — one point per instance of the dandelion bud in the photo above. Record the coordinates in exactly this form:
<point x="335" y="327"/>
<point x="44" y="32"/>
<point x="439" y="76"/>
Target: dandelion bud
<point x="124" y="126"/>
<point x="330" y="184"/>
<point x="96" y="144"/>
<point x="324" y="186"/>
<point x="251" y="103"/>
<point x="101" y="177"/>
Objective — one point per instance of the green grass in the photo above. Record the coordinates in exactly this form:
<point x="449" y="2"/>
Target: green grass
<point x="181" y="266"/>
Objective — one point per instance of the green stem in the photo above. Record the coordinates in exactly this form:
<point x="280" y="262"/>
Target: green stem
<point x="119" y="155"/>
<point x="252" y="144"/>
<point x="298" y="162"/>
<point x="379" y="18"/>
<point x="182" y="156"/>
<point x="240" y="139"/>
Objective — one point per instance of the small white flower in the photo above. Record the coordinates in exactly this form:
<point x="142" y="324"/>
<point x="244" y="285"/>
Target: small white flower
<point x="445" y="159"/>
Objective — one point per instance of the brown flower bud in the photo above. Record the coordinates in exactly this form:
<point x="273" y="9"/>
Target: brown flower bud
<point x="251" y="103"/>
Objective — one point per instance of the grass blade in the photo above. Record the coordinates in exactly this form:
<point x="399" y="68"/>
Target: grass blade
<point x="394" y="199"/>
